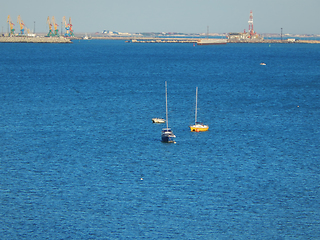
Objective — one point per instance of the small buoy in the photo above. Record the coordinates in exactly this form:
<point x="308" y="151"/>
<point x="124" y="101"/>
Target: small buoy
<point x="141" y="179"/>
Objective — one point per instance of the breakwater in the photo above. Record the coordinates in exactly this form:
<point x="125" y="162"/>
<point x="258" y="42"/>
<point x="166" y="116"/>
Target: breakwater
<point x="276" y="41"/>
<point x="195" y="40"/>
<point x="24" y="39"/>
<point x="42" y="39"/>
<point x="163" y="40"/>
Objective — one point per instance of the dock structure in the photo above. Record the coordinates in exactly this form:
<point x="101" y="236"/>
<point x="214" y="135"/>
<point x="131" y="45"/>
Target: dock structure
<point x="163" y="40"/>
<point x="25" y="39"/>
<point x="42" y="39"/>
<point x="200" y="41"/>
<point x="277" y="41"/>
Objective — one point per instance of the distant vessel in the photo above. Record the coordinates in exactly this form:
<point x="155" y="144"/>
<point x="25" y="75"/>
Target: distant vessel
<point x="167" y="135"/>
<point x="198" y="127"/>
<point x="158" y="120"/>
<point x="263" y="64"/>
<point x="86" y="37"/>
<point x="212" y="41"/>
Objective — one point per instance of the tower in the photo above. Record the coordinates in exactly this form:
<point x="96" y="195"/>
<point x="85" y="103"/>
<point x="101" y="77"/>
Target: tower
<point x="251" y="23"/>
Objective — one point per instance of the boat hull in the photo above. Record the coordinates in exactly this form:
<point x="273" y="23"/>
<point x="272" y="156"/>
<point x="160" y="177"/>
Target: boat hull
<point x="199" y="128"/>
<point x="167" y="139"/>
<point x="212" y="41"/>
<point x="167" y="136"/>
<point x="158" y="120"/>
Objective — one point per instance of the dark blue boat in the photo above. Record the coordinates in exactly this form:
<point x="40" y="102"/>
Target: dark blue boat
<point x="167" y="135"/>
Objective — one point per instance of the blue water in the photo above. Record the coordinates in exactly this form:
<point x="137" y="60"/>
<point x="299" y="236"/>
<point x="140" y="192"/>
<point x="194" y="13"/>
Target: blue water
<point x="81" y="159"/>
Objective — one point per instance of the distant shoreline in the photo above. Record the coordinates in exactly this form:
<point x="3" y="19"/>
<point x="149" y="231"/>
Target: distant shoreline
<point x="195" y="40"/>
<point x="25" y="39"/>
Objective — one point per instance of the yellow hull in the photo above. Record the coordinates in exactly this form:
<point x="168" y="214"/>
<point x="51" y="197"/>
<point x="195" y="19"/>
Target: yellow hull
<point x="199" y="128"/>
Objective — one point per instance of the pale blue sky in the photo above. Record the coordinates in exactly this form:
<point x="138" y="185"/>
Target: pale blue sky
<point x="188" y="16"/>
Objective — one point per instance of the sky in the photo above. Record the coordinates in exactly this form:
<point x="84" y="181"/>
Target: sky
<point x="183" y="16"/>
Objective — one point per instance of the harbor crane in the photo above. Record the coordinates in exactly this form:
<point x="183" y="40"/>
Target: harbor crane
<point x="55" y="25"/>
<point x="21" y="25"/>
<point x="50" y="33"/>
<point x="66" y="26"/>
<point x="11" y="26"/>
<point x="70" y="28"/>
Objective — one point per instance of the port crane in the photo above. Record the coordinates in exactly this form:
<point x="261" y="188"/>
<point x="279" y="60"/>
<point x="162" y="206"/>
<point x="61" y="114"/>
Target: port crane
<point x="21" y="25"/>
<point x="66" y="26"/>
<point x="55" y="25"/>
<point x="11" y="25"/>
<point x="50" y="33"/>
<point x="70" y="28"/>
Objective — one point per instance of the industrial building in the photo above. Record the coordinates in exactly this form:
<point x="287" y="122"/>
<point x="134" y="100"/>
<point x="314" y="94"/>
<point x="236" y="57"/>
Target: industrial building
<point x="249" y="36"/>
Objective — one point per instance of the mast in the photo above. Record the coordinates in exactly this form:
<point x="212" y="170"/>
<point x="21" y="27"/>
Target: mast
<point x="166" y="105"/>
<point x="195" y="118"/>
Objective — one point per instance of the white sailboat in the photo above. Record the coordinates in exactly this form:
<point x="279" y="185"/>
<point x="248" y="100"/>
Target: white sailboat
<point x="167" y="135"/>
<point x="198" y="127"/>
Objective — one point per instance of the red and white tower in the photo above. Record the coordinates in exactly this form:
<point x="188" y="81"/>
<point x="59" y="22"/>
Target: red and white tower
<point x="251" y="23"/>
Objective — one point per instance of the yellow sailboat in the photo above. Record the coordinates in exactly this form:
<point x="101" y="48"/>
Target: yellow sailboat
<point x="198" y="127"/>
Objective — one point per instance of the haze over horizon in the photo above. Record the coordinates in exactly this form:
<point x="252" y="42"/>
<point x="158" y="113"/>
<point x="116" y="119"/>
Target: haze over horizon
<point x="184" y="16"/>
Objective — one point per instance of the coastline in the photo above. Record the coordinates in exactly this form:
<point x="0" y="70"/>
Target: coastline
<point x="42" y="39"/>
<point x="195" y="40"/>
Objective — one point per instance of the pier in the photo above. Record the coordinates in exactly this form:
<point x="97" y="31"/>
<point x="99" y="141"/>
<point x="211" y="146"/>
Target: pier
<point x="25" y="39"/>
<point x="195" y="40"/>
<point x="163" y="40"/>
<point x="42" y="39"/>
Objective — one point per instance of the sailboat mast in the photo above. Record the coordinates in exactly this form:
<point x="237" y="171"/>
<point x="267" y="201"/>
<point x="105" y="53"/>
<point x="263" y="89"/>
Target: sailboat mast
<point x="166" y="105"/>
<point x="195" y="118"/>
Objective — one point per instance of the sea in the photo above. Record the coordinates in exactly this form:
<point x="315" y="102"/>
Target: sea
<point x="81" y="159"/>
